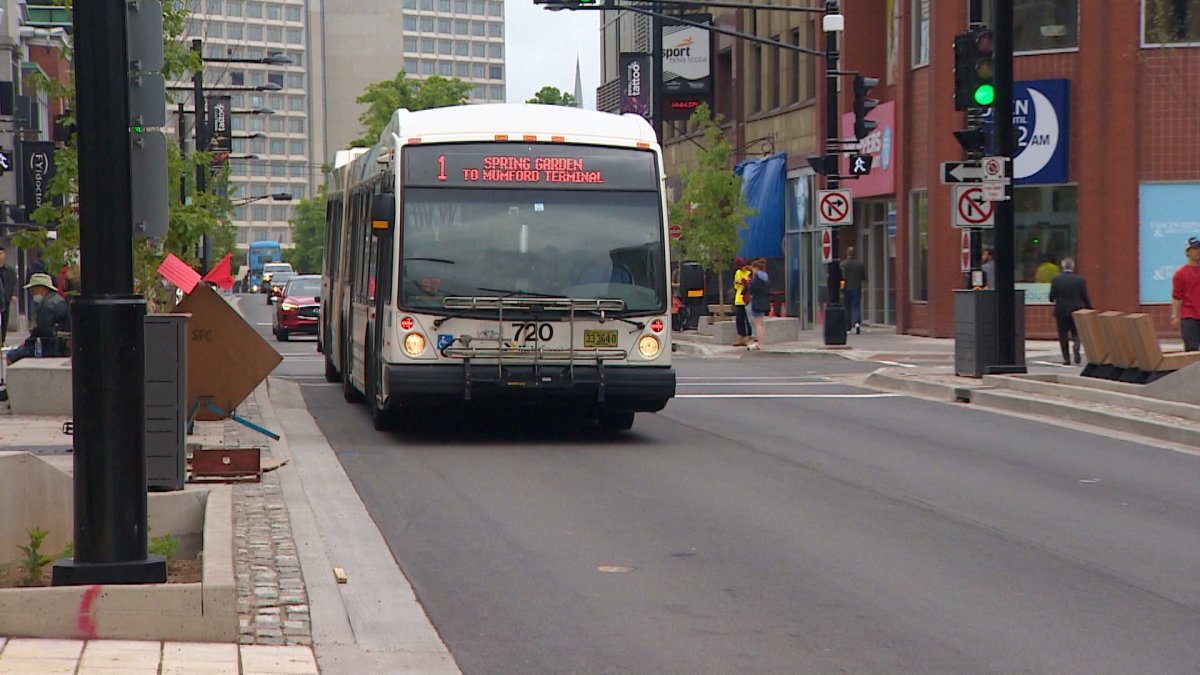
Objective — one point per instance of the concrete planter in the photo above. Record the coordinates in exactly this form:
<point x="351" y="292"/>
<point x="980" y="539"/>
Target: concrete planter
<point x="205" y="612"/>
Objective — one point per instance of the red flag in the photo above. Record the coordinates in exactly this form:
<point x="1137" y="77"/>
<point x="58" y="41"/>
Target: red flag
<point x="221" y="274"/>
<point x="179" y="273"/>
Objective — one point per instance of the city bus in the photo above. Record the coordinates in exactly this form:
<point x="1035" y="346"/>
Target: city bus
<point x="259" y="254"/>
<point x="505" y="253"/>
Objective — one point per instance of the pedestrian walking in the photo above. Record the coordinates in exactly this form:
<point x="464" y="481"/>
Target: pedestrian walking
<point x="853" y="275"/>
<point x="760" y="301"/>
<point x="1185" y="297"/>
<point x="741" y="277"/>
<point x="1068" y="292"/>
<point x="8" y="292"/>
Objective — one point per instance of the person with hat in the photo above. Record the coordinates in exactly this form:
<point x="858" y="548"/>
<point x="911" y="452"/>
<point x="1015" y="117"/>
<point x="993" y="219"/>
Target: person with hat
<point x="50" y="319"/>
<point x="8" y="291"/>
<point x="1185" y="297"/>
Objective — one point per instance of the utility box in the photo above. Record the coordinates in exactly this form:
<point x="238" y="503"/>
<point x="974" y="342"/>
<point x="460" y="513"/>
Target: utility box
<point x="976" y="335"/>
<point x="166" y="410"/>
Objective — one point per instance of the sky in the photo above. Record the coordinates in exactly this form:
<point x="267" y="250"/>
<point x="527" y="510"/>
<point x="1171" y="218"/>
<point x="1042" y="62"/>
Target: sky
<point x="541" y="47"/>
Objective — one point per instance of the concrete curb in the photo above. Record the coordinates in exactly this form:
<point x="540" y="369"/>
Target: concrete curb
<point x="1022" y="402"/>
<point x="728" y="351"/>
<point x="1095" y="395"/>
<point x="887" y="378"/>
<point x="196" y="612"/>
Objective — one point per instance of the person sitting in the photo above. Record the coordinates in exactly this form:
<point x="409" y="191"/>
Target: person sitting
<point x="50" y="319"/>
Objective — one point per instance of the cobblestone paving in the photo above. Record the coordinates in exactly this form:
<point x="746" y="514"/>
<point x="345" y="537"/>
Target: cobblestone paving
<point x="272" y="602"/>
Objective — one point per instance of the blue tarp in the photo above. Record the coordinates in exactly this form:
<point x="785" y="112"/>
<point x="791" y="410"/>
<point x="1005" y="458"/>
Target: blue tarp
<point x="764" y="189"/>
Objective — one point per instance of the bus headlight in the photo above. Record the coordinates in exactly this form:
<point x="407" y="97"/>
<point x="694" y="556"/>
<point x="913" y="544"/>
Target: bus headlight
<point x="648" y="346"/>
<point x="414" y="344"/>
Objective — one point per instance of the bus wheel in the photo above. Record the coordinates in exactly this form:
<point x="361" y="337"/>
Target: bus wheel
<point x="616" y="420"/>
<point x="331" y="373"/>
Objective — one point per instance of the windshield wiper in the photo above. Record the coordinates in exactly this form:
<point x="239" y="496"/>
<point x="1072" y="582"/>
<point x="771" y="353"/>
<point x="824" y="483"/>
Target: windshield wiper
<point x="437" y="260"/>
<point x="510" y="293"/>
<point x="604" y="316"/>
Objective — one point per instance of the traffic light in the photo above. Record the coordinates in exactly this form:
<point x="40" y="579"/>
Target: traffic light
<point x="863" y="105"/>
<point x="974" y="70"/>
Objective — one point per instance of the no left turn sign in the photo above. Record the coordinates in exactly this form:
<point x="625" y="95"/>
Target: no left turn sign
<point x="834" y="208"/>
<point x="971" y="209"/>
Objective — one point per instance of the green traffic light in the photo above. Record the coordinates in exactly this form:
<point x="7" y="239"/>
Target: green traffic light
<point x="985" y="95"/>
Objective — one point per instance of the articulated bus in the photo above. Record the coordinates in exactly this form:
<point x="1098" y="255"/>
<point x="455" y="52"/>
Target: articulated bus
<point x="501" y="253"/>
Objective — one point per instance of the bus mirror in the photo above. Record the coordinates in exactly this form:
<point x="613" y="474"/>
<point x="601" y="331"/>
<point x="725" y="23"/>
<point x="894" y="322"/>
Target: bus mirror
<point x="383" y="212"/>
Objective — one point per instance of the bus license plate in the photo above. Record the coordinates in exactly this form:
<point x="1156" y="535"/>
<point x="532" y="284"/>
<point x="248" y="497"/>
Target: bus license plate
<point x="597" y="339"/>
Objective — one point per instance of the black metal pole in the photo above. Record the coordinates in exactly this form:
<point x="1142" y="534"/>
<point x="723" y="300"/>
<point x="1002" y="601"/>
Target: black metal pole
<point x="108" y="358"/>
<point x="835" y="318"/>
<point x="974" y="18"/>
<point x="656" y="93"/>
<point x="179" y="131"/>
<point x="1004" y="143"/>
<point x="201" y="146"/>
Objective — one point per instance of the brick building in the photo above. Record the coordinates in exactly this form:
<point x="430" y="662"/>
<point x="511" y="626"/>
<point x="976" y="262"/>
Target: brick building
<point x="1105" y="110"/>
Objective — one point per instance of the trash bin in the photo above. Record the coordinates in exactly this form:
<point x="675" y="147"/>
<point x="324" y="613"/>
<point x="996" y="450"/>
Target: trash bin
<point x="166" y="401"/>
<point x="976" y="335"/>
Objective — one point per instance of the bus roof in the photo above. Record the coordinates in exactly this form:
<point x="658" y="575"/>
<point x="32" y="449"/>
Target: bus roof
<point x="483" y="122"/>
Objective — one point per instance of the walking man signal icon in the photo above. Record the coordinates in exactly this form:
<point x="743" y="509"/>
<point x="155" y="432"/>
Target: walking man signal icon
<point x="860" y="165"/>
<point x="5" y="162"/>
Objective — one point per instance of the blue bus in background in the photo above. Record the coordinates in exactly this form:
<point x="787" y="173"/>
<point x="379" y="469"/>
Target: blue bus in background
<point x="260" y="253"/>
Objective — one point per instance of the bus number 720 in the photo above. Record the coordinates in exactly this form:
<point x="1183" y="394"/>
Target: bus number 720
<point x="529" y="331"/>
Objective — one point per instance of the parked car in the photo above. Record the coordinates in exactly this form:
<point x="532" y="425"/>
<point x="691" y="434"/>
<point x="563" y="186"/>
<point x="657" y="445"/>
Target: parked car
<point x="298" y="307"/>
<point x="278" y="282"/>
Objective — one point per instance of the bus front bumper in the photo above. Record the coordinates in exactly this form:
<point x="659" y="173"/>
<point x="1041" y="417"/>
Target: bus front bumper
<point x="642" y="389"/>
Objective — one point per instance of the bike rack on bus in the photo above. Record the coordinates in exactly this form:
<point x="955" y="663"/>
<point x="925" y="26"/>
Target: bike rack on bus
<point x="538" y="354"/>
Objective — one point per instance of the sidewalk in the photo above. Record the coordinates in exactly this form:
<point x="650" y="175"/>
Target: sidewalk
<point x="1155" y="414"/>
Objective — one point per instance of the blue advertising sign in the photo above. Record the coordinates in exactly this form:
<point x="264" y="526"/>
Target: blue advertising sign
<point x="1042" y="123"/>
<point x="1166" y="218"/>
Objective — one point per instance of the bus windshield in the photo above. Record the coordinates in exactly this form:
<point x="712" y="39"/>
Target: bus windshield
<point x="532" y="242"/>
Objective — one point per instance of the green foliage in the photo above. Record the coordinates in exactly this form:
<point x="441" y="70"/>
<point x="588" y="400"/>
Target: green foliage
<point x="385" y="97"/>
<point x="208" y="213"/>
<point x="166" y="546"/>
<point x="711" y="211"/>
<point x="552" y="96"/>
<point x="34" y="561"/>
<point x="308" y="233"/>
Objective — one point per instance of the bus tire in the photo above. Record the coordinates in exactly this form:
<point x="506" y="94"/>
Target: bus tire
<point x="616" y="420"/>
<point x="331" y="373"/>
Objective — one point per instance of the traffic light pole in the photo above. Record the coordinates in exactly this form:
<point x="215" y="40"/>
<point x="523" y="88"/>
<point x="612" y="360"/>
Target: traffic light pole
<point x="107" y="345"/>
<point x="835" y="316"/>
<point x="1004" y="144"/>
<point x="201" y="146"/>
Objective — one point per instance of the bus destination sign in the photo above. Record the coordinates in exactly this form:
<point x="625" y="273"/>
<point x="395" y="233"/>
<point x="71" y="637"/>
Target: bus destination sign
<point x="506" y="165"/>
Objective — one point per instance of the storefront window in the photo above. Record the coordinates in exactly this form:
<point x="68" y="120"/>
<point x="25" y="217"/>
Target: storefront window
<point x="1043" y="25"/>
<point x="920" y="33"/>
<point x="918" y="244"/>
<point x="1045" y="219"/>
<point x="1170" y="22"/>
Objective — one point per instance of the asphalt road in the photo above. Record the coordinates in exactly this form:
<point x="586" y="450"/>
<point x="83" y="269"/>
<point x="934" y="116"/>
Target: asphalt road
<point x="776" y="518"/>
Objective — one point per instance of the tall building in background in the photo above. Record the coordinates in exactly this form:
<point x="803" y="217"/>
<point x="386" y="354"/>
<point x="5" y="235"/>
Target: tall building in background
<point x="275" y="121"/>
<point x="365" y="41"/>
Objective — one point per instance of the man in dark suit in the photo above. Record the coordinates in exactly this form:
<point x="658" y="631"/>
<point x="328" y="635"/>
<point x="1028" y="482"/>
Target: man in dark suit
<point x="1068" y="292"/>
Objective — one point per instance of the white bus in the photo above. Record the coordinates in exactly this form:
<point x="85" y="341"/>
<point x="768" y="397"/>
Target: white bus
<point x="504" y="253"/>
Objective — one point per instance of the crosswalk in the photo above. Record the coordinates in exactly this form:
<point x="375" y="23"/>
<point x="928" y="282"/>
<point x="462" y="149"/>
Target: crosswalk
<point x="771" y="387"/>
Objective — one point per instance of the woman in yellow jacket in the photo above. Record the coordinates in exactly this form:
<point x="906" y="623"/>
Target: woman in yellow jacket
<point x="741" y="277"/>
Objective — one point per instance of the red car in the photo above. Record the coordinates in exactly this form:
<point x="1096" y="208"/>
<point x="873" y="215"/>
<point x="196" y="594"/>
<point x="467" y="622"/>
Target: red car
<point x="298" y="307"/>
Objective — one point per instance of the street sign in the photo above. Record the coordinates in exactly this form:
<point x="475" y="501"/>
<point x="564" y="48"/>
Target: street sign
<point x="971" y="209"/>
<point x="144" y="35"/>
<point x="965" y="251"/>
<point x="826" y="245"/>
<point x="834" y="208"/>
<point x="147" y="100"/>
<point x="961" y="172"/>
<point x="994" y="191"/>
<point x="676" y="232"/>
<point x="148" y="178"/>
<point x="860" y="165"/>
<point x="995" y="169"/>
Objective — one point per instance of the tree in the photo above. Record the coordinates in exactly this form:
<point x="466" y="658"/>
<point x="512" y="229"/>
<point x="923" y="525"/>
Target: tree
<point x="552" y="96"/>
<point x="308" y="232"/>
<point x="205" y="213"/>
<point x="711" y="211"/>
<point x="386" y="97"/>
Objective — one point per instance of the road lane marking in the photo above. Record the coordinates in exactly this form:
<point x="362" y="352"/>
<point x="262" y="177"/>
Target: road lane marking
<point x="897" y="363"/>
<point x="788" y="395"/>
